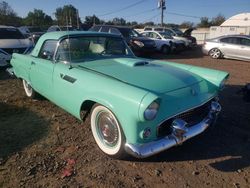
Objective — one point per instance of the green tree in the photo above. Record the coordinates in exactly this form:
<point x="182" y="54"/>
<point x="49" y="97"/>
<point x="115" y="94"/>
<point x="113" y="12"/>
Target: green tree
<point x="186" y="25"/>
<point x="93" y="20"/>
<point x="204" y="22"/>
<point x="67" y="15"/>
<point x="149" y="23"/>
<point x="218" y="20"/>
<point x="38" y="18"/>
<point x="119" y="21"/>
<point x="8" y="15"/>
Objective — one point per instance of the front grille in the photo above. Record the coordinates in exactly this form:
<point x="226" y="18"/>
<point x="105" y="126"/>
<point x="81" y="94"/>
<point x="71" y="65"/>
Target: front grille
<point x="192" y="117"/>
<point x="14" y="50"/>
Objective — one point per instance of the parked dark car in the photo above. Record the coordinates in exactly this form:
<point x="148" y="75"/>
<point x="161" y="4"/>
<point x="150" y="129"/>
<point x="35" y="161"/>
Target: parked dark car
<point x="61" y="28"/>
<point x="32" y="32"/>
<point x="138" y="43"/>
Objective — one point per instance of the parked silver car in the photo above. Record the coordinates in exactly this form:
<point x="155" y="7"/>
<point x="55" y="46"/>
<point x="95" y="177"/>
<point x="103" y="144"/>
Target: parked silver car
<point x="230" y="46"/>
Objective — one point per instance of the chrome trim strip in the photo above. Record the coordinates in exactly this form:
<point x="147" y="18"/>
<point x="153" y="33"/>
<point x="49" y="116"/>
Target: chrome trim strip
<point x="154" y="147"/>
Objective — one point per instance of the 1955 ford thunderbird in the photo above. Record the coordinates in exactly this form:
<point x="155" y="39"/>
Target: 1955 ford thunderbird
<point x="137" y="106"/>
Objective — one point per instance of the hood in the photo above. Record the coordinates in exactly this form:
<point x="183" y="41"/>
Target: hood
<point x="144" y="74"/>
<point x="188" y="32"/>
<point x="15" y="43"/>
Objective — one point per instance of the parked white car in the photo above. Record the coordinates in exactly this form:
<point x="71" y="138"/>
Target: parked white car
<point x="164" y="42"/>
<point x="12" y="41"/>
<point x="177" y="34"/>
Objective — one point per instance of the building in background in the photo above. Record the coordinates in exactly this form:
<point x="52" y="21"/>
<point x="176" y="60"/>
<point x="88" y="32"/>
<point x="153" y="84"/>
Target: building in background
<point x="238" y="24"/>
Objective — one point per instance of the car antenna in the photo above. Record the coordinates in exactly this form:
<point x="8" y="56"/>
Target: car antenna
<point x="70" y="66"/>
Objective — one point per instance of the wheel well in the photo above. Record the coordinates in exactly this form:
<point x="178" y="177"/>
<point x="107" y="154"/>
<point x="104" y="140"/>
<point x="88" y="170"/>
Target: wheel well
<point x="86" y="108"/>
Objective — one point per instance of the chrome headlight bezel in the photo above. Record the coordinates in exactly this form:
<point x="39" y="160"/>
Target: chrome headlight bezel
<point x="222" y="84"/>
<point x="151" y="111"/>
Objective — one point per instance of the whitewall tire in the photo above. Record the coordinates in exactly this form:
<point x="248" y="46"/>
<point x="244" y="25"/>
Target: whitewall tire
<point x="29" y="91"/>
<point x="107" y="132"/>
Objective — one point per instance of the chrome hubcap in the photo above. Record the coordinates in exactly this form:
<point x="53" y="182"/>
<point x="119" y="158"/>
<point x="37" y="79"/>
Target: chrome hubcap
<point x="215" y="53"/>
<point x="107" y="129"/>
<point x="28" y="88"/>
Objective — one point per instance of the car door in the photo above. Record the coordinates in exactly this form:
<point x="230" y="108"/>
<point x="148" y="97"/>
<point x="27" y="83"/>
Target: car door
<point x="229" y="46"/>
<point x="42" y="68"/>
<point x="156" y="38"/>
<point x="244" y="48"/>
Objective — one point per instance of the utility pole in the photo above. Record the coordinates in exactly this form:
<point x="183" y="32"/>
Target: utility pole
<point x="77" y="19"/>
<point x="162" y="6"/>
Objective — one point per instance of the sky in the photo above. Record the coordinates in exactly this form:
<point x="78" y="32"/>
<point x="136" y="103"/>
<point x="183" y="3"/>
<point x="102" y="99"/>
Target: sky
<point x="177" y="11"/>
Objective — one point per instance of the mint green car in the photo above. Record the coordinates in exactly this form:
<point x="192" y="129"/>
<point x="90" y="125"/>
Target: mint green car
<point x="137" y="106"/>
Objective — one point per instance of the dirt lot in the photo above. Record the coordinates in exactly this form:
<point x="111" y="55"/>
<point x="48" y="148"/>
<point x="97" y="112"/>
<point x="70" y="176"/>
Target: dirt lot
<point x="40" y="144"/>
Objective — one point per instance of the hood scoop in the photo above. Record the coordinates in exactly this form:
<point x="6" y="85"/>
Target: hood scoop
<point x="141" y="63"/>
<point x="132" y="62"/>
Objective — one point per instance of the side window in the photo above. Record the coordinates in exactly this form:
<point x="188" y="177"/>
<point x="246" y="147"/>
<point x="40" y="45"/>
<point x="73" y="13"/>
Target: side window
<point x="48" y="49"/>
<point x="171" y="33"/>
<point x="225" y="40"/>
<point x="155" y="36"/>
<point x="230" y="40"/>
<point x="146" y="34"/>
<point x="95" y="28"/>
<point x="151" y="35"/>
<point x="114" y="31"/>
<point x="245" y="42"/>
<point x="105" y="29"/>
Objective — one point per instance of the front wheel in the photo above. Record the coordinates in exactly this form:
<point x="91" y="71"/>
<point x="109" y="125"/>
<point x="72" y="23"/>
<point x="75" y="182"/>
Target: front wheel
<point x="165" y="49"/>
<point x="215" y="53"/>
<point x="107" y="131"/>
<point x="29" y="91"/>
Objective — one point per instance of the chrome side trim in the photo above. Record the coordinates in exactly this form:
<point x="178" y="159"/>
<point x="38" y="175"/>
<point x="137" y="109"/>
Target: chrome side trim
<point x="151" y="148"/>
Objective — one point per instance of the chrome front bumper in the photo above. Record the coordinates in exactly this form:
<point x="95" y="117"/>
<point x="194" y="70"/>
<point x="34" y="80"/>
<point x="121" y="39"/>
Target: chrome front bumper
<point x="180" y="133"/>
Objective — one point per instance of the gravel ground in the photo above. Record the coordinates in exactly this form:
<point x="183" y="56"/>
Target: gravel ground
<point x="43" y="146"/>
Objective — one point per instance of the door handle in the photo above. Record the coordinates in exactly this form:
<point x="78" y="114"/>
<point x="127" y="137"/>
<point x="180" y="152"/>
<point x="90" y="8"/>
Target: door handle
<point x="33" y="63"/>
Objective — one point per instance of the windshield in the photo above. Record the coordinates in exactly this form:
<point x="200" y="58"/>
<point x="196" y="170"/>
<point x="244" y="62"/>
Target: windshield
<point x="79" y="49"/>
<point x="35" y="29"/>
<point x="127" y="32"/>
<point x="178" y="32"/>
<point x="65" y="28"/>
<point x="166" y="35"/>
<point x="10" y="33"/>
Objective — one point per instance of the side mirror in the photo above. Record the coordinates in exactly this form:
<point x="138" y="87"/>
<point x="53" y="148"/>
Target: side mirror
<point x="47" y="55"/>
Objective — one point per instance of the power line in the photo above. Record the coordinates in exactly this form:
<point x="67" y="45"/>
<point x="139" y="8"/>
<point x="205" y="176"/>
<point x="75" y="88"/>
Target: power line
<point x="145" y="11"/>
<point x="183" y="15"/>
<point x="150" y="19"/>
<point x="124" y="8"/>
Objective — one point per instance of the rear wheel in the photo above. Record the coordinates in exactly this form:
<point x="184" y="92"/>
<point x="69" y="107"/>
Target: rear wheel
<point x="107" y="132"/>
<point x="29" y="91"/>
<point x="165" y="49"/>
<point x="215" y="53"/>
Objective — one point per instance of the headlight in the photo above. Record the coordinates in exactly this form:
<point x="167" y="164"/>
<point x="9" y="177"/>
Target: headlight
<point x="151" y="111"/>
<point x="138" y="43"/>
